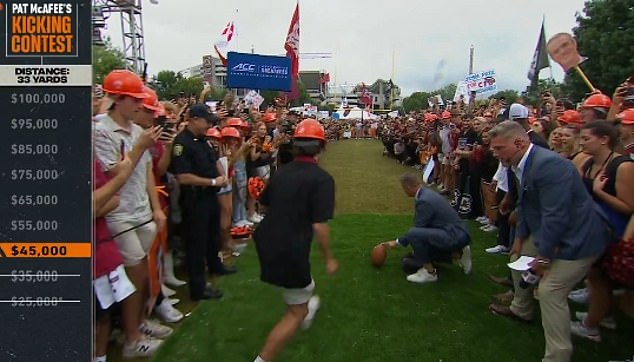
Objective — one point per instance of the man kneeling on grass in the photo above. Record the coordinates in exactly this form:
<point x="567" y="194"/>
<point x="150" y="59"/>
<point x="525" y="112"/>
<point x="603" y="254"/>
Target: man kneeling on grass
<point x="300" y="199"/>
<point x="438" y="233"/>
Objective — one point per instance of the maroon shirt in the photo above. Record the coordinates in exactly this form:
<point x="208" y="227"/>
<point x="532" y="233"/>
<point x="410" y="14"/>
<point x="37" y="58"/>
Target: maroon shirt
<point x="107" y="257"/>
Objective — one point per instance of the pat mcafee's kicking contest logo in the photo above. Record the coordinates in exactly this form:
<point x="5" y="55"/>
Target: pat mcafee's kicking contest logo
<point x="41" y="30"/>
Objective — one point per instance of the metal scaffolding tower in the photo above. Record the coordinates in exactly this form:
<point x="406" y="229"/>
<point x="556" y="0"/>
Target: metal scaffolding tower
<point x="131" y="16"/>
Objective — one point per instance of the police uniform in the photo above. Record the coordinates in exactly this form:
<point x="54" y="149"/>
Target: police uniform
<point x="200" y="208"/>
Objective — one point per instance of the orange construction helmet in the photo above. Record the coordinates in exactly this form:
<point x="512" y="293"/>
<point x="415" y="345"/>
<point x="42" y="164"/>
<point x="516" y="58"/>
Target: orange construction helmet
<point x="598" y="100"/>
<point x="269" y="117"/>
<point x="570" y="116"/>
<point x="445" y="115"/>
<point x="213" y="133"/>
<point x="124" y="82"/>
<point x="234" y="122"/>
<point x="310" y="128"/>
<point x="229" y="132"/>
<point x="151" y="102"/>
<point x="627" y="116"/>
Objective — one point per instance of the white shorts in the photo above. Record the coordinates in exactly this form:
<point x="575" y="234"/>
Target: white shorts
<point x="299" y="295"/>
<point x="113" y="287"/>
<point x="134" y="244"/>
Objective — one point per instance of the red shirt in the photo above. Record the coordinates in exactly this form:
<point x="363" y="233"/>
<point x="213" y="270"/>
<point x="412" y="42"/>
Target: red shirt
<point x="107" y="257"/>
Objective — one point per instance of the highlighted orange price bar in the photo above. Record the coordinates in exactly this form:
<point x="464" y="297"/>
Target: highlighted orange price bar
<point x="45" y="250"/>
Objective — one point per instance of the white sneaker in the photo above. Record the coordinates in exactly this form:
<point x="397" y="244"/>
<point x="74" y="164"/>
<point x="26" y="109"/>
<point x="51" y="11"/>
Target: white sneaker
<point x="253" y="219"/>
<point x="173" y="301"/>
<point x="465" y="260"/>
<point x="482" y="220"/>
<point x="489" y="228"/>
<point x="155" y="329"/>
<point x="498" y="249"/>
<point x="167" y="312"/>
<point x="239" y="248"/>
<point x="144" y="347"/>
<point x="580" y="296"/>
<point x="172" y="281"/>
<point x="167" y="292"/>
<point x="422" y="276"/>
<point x="313" y="307"/>
<point x="607" y="322"/>
<point x="579" y="329"/>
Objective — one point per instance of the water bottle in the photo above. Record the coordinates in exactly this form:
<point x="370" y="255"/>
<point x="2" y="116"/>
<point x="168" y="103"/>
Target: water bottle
<point x="529" y="278"/>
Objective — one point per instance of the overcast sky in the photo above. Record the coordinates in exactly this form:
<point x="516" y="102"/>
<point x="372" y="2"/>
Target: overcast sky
<point x="424" y="45"/>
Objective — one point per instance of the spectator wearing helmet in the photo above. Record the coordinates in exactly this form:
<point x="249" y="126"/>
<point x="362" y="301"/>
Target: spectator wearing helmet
<point x="161" y="156"/>
<point x="300" y="200"/>
<point x="626" y="122"/>
<point x="595" y="107"/>
<point x="138" y="215"/>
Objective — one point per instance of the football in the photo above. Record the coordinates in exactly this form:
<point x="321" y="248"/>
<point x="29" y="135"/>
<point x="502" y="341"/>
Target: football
<point x="378" y="255"/>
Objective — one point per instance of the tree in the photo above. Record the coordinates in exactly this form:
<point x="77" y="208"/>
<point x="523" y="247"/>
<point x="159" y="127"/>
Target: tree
<point x="604" y="35"/>
<point x="447" y="92"/>
<point x="106" y="58"/>
<point x="416" y="101"/>
<point x="163" y="83"/>
<point x="534" y="94"/>
<point x="189" y="86"/>
<point x="510" y="95"/>
<point x="303" y="98"/>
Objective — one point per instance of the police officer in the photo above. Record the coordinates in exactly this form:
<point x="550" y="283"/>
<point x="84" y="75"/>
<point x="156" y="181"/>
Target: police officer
<point x="195" y="165"/>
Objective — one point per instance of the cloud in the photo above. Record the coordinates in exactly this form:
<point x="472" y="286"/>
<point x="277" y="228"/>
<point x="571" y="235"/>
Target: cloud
<point x="364" y="36"/>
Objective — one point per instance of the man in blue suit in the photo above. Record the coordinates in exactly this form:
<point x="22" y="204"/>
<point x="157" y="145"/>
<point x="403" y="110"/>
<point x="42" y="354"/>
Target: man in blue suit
<point x="438" y="232"/>
<point x="557" y="224"/>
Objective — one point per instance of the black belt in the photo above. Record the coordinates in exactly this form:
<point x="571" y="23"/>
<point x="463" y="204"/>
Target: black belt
<point x="199" y="190"/>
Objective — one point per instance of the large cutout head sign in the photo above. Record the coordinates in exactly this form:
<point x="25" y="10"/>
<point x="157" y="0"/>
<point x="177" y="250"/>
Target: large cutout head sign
<point x="562" y="47"/>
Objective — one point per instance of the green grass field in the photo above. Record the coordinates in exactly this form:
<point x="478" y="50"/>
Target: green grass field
<point x="369" y="314"/>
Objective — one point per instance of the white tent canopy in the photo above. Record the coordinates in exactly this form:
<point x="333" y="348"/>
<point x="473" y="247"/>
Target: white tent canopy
<point x="354" y="113"/>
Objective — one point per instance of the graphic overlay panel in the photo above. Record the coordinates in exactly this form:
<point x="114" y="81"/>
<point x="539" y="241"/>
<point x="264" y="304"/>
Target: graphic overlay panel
<point x="45" y="181"/>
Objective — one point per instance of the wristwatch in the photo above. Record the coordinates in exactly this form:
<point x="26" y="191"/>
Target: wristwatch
<point x="213" y="182"/>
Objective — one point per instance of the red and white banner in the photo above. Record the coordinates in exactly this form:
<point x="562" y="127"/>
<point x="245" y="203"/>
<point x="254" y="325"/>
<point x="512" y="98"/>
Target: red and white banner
<point x="223" y="43"/>
<point x="292" y="51"/>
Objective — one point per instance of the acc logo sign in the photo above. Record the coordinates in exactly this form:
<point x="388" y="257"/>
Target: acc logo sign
<point x="244" y="67"/>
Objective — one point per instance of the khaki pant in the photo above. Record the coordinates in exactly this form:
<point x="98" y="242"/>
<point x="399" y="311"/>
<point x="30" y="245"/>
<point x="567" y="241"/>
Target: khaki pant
<point x="553" y="291"/>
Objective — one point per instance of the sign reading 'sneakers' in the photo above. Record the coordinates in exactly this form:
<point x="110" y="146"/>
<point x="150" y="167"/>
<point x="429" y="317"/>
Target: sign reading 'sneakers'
<point x="255" y="71"/>
<point x="41" y="29"/>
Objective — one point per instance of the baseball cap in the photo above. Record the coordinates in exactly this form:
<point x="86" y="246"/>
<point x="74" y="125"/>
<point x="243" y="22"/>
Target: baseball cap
<point x="518" y="111"/>
<point x="201" y="110"/>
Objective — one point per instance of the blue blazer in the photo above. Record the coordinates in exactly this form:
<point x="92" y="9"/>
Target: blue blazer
<point x="557" y="210"/>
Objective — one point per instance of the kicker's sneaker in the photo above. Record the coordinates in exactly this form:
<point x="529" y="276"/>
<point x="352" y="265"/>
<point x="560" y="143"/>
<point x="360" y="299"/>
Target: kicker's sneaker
<point x="313" y="307"/>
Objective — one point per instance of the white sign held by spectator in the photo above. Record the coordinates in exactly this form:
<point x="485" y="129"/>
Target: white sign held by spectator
<point x="254" y="99"/>
<point x="462" y="90"/>
<point x="482" y="82"/>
